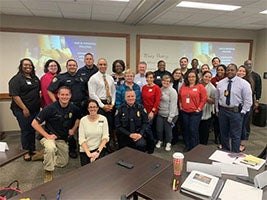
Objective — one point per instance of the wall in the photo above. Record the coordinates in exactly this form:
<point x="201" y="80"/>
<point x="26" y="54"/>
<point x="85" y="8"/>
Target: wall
<point x="110" y="27"/>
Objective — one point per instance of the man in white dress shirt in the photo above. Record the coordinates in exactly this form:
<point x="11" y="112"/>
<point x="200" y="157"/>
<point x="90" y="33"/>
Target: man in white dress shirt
<point x="102" y="89"/>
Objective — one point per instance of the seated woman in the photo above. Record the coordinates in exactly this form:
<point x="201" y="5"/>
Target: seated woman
<point x="93" y="134"/>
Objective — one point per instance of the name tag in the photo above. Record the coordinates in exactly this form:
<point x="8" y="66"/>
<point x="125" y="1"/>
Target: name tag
<point x="194" y="89"/>
<point x="150" y="90"/>
<point x="158" y="77"/>
<point x="100" y="123"/>
<point x="28" y="82"/>
<point x="187" y="100"/>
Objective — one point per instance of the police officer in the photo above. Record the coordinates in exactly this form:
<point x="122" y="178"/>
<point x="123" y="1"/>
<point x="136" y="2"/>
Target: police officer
<point x="233" y="100"/>
<point x="79" y="97"/>
<point x="61" y="121"/>
<point x="87" y="70"/>
<point x="131" y="120"/>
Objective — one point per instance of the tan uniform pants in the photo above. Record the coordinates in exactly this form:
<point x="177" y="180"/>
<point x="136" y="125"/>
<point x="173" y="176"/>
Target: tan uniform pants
<point x="56" y="153"/>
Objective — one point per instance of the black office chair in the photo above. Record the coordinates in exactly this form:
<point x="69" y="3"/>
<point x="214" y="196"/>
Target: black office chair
<point x="263" y="153"/>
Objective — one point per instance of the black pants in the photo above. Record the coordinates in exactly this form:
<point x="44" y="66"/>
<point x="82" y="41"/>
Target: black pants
<point x="72" y="144"/>
<point x="126" y="141"/>
<point x="204" y="128"/>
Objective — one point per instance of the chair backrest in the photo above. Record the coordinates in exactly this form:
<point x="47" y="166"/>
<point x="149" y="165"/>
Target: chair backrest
<point x="263" y="153"/>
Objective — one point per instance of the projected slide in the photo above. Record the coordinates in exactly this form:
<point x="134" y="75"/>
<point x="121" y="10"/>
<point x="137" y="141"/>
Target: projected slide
<point x="61" y="48"/>
<point x="41" y="47"/>
<point x="153" y="50"/>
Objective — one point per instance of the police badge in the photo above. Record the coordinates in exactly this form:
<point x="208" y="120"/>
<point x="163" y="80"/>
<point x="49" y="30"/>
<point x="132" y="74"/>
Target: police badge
<point x="70" y="115"/>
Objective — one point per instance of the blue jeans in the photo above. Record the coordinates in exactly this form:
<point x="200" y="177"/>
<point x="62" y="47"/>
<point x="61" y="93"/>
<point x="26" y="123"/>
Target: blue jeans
<point x="27" y="131"/>
<point x="230" y="128"/>
<point x="190" y="126"/>
<point x="150" y="135"/>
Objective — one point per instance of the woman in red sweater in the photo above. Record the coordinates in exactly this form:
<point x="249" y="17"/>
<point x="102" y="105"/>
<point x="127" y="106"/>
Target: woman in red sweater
<point x="51" y="69"/>
<point x="151" y="94"/>
<point x="192" y="98"/>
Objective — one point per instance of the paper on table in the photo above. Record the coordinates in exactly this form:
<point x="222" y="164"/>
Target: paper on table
<point x="239" y="191"/>
<point x="232" y="169"/>
<point x="256" y="167"/>
<point x="3" y="147"/>
<point x="207" y="168"/>
<point x="221" y="156"/>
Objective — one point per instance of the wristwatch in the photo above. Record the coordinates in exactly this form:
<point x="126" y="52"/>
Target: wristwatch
<point x="97" y="151"/>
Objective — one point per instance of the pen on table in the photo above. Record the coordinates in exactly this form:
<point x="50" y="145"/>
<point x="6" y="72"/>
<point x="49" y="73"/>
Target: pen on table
<point x="235" y="160"/>
<point x="58" y="194"/>
<point x="248" y="163"/>
<point x="174" y="184"/>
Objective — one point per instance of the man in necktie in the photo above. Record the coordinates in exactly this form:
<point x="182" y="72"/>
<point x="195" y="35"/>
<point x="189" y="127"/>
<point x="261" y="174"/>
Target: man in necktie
<point x="108" y="94"/>
<point x="227" y="92"/>
<point x="102" y="89"/>
<point x="233" y="99"/>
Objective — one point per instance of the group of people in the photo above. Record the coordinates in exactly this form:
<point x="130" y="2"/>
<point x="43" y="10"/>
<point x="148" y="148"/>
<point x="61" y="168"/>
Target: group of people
<point x="142" y="111"/>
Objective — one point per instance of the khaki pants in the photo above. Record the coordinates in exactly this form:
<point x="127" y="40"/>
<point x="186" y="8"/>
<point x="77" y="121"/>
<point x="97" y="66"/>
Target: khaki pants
<point x="56" y="153"/>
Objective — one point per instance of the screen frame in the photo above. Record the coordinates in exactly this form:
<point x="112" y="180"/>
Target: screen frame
<point x="74" y="33"/>
<point x="192" y="39"/>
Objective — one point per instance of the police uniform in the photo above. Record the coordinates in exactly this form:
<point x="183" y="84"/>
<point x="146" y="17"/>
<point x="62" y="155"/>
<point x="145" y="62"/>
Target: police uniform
<point x="77" y="86"/>
<point x="79" y="97"/>
<point x="131" y="119"/>
<point x="28" y="89"/>
<point x="85" y="73"/>
<point x="58" y="121"/>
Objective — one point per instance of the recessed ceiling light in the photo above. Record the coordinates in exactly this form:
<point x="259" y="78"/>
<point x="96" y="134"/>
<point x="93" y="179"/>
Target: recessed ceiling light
<point x="264" y="12"/>
<point x="120" y="0"/>
<point x="210" y="6"/>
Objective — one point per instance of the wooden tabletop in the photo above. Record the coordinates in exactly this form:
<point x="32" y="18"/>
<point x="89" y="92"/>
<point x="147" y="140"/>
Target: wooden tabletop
<point x="103" y="179"/>
<point x="13" y="153"/>
<point x="161" y="186"/>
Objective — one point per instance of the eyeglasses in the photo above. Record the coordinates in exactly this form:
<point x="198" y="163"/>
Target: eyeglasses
<point x="92" y="107"/>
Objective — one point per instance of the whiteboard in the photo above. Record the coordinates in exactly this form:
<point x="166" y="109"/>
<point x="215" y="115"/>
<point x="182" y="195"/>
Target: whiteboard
<point x="170" y="50"/>
<point x="40" y="47"/>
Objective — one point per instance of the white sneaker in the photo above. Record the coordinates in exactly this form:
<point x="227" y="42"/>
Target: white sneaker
<point x="168" y="147"/>
<point x="158" y="145"/>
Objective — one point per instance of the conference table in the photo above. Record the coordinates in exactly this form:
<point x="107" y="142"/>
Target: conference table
<point x="104" y="178"/>
<point x="13" y="153"/>
<point x="160" y="187"/>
